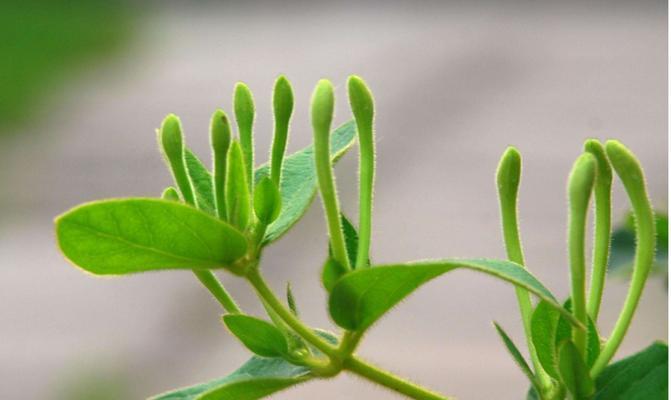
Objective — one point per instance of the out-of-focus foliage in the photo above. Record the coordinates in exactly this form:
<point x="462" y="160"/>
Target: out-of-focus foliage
<point x="623" y="247"/>
<point x="44" y="42"/>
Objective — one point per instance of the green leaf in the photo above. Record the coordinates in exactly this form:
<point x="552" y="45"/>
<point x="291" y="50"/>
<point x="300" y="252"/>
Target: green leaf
<point x="267" y="201"/>
<point x="291" y="301"/>
<point x="257" y="378"/>
<point x="332" y="270"/>
<point x="201" y="181"/>
<point x="363" y="296"/>
<point x="114" y="237"/>
<point x="259" y="336"/>
<point x="642" y="376"/>
<point x="549" y="328"/>
<point x="299" y="180"/>
<point x="238" y="201"/>
<point x="573" y="372"/>
<point x="517" y="356"/>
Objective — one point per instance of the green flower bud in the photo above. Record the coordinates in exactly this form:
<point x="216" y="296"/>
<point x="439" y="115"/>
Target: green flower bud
<point x="267" y="201"/>
<point x="238" y="207"/>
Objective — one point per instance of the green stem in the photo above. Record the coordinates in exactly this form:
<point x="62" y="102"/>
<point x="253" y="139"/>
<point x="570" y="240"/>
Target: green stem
<point x="508" y="180"/>
<point x="389" y="380"/>
<point x="580" y="184"/>
<point x="256" y="280"/>
<point x="210" y="281"/>
<point x="602" y="194"/>
<point x="631" y="174"/>
<point x="322" y="115"/>
<point x="361" y="102"/>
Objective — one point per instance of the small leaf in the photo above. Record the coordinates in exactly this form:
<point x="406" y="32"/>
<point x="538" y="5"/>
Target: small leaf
<point x="259" y="336"/>
<point x="201" y="181"/>
<point x="171" y="194"/>
<point x="351" y="239"/>
<point x="267" y="201"/>
<point x="642" y="376"/>
<point x="331" y="272"/>
<point x="299" y="180"/>
<point x="257" y="378"/>
<point x="363" y="296"/>
<point x="114" y="237"/>
<point x="517" y="356"/>
<point x="291" y="301"/>
<point x="574" y="373"/>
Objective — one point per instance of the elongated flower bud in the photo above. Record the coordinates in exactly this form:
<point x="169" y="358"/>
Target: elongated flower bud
<point x="580" y="184"/>
<point x="322" y="115"/>
<point x="602" y="225"/>
<point x="283" y="106"/>
<point x="172" y="144"/>
<point x="220" y="139"/>
<point x="267" y="201"/>
<point x="243" y="104"/>
<point x="363" y="108"/>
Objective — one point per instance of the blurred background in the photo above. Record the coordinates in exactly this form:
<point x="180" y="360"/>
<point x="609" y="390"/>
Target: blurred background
<point x="84" y="84"/>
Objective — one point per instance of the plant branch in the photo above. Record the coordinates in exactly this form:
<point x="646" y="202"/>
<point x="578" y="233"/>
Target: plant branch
<point x="389" y="380"/>
<point x="210" y="281"/>
<point x="256" y="280"/>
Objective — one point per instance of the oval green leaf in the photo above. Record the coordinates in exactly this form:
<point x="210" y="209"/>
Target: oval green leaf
<point x="361" y="297"/>
<point x="259" y="336"/>
<point x="299" y="180"/>
<point x="201" y="181"/>
<point x="257" y="378"/>
<point x="115" y="237"/>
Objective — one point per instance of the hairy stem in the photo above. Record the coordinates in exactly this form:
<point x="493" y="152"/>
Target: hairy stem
<point x="631" y="174"/>
<point x="256" y="280"/>
<point x="508" y="180"/>
<point x="210" y="281"/>
<point x="389" y="380"/>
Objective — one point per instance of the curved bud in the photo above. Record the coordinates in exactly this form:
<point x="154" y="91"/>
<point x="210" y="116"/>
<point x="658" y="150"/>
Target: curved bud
<point x="602" y="225"/>
<point x="631" y="174"/>
<point x="267" y="201"/>
<point x="172" y="144"/>
<point x="580" y="184"/>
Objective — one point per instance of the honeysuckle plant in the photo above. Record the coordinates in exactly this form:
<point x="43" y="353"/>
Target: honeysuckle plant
<point x="223" y="217"/>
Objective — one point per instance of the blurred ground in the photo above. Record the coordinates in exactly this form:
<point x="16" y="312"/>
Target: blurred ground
<point x="454" y="83"/>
